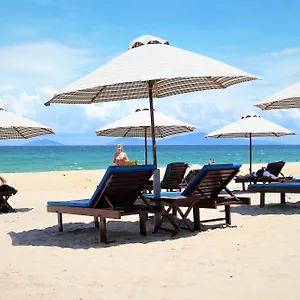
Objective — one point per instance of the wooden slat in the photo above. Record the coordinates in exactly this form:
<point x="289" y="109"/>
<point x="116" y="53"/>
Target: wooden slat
<point x="112" y="214"/>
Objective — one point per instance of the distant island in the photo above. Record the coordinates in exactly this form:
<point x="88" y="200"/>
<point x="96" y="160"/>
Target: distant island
<point x="43" y="142"/>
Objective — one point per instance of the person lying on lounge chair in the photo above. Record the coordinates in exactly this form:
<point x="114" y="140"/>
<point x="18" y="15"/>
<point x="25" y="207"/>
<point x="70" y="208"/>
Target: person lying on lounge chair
<point x="264" y="173"/>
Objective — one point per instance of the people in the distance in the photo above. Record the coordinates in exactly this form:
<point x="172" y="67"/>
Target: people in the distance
<point x="120" y="157"/>
<point x="211" y="161"/>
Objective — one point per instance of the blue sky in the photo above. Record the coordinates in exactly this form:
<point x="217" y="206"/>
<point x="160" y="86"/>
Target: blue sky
<point x="47" y="44"/>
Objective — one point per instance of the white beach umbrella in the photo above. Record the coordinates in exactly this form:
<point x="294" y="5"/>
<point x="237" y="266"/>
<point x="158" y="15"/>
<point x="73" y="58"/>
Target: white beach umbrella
<point x="138" y="124"/>
<point x="250" y="125"/>
<point x="151" y="68"/>
<point x="13" y="126"/>
<point x="286" y="98"/>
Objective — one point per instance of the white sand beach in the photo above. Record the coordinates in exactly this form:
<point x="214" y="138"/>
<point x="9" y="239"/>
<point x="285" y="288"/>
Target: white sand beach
<point x="257" y="257"/>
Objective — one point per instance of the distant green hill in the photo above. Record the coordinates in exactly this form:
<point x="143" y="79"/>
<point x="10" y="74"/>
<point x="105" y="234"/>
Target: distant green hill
<point x="43" y="142"/>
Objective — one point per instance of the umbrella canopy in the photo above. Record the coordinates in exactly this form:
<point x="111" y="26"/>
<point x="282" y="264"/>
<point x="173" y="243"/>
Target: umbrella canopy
<point x="13" y="126"/>
<point x="151" y="68"/>
<point x="286" y="98"/>
<point x="138" y="124"/>
<point x="173" y="70"/>
<point x="250" y="125"/>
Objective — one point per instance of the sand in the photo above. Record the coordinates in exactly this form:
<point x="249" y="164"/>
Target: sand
<point x="257" y="257"/>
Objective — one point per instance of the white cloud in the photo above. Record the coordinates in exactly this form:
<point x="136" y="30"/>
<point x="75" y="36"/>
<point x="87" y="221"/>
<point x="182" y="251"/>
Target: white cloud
<point x="285" y="52"/>
<point x="24" y="104"/>
<point x="44" y="63"/>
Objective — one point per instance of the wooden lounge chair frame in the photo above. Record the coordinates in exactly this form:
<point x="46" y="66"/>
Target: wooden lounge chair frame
<point x="114" y="198"/>
<point x="274" y="168"/>
<point x="5" y="207"/>
<point x="172" y="178"/>
<point x="275" y="188"/>
<point x="202" y="192"/>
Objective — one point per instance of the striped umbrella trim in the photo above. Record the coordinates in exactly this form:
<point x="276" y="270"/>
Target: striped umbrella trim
<point x="160" y="131"/>
<point x="281" y="104"/>
<point x="253" y="134"/>
<point x="139" y="89"/>
<point x="23" y="132"/>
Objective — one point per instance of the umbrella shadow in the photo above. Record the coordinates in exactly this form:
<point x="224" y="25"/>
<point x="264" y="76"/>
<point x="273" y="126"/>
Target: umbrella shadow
<point x="270" y="209"/>
<point x="84" y="236"/>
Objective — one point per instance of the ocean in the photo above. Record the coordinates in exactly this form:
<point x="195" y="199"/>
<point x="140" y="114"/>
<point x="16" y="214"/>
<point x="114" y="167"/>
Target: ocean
<point x="54" y="158"/>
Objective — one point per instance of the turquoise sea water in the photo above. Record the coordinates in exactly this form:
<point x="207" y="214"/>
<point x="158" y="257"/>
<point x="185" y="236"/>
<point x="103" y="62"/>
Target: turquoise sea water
<point x="50" y="158"/>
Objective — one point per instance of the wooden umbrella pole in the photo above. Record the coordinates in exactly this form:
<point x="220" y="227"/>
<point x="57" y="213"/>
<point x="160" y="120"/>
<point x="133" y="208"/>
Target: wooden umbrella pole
<point x="250" y="153"/>
<point x="146" y="147"/>
<point x="150" y="85"/>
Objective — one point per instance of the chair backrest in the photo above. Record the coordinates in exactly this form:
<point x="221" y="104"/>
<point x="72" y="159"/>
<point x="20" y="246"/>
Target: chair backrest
<point x="211" y="180"/>
<point x="174" y="174"/>
<point x="121" y="185"/>
<point x="190" y="176"/>
<point x="275" y="168"/>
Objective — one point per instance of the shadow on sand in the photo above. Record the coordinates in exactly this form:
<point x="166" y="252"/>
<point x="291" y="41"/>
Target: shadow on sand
<point x="23" y="210"/>
<point x="270" y="209"/>
<point x="17" y="210"/>
<point x="85" y="236"/>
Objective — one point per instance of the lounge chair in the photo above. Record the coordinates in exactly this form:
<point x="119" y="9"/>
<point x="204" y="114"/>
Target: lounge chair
<point x="6" y="192"/>
<point x="274" y="168"/>
<point x="172" y="178"/>
<point x="275" y="188"/>
<point x="202" y="192"/>
<point x="114" y="197"/>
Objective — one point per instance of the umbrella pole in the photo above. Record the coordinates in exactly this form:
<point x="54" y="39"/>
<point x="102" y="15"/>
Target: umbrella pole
<point x="146" y="147"/>
<point x="156" y="173"/>
<point x="150" y="84"/>
<point x="250" y="153"/>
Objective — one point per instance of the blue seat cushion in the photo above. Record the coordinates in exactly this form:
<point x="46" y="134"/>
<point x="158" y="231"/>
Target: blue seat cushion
<point x="73" y="203"/>
<point x="164" y="194"/>
<point x="110" y="170"/>
<point x="277" y="185"/>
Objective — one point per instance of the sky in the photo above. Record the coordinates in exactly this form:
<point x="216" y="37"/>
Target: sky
<point x="47" y="44"/>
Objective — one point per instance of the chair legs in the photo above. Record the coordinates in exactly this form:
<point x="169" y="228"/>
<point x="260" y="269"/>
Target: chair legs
<point x="60" y="224"/>
<point x="103" y="231"/>
<point x="143" y="219"/>
<point x="228" y="214"/>
<point x="5" y="207"/>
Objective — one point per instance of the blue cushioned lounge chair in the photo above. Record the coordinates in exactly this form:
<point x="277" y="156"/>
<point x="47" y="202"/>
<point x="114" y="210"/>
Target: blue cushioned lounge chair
<point x="275" y="188"/>
<point x="114" y="197"/>
<point x="202" y="192"/>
